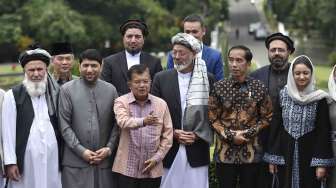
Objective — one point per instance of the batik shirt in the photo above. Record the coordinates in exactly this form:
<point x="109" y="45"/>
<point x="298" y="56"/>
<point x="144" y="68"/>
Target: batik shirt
<point x="237" y="106"/>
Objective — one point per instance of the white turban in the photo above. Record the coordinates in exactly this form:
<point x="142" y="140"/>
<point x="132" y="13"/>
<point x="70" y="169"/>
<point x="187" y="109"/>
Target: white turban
<point x="188" y="41"/>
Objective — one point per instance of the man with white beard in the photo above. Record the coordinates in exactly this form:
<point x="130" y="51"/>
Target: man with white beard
<point x="31" y="154"/>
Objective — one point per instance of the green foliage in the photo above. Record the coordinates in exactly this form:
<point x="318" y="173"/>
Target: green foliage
<point x="10" y="31"/>
<point x="54" y="21"/>
<point x="307" y="16"/>
<point x="90" y="23"/>
<point x="332" y="58"/>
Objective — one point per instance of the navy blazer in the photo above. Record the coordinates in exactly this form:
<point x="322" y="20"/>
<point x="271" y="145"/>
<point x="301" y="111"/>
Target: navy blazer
<point x="166" y="86"/>
<point x="212" y="58"/>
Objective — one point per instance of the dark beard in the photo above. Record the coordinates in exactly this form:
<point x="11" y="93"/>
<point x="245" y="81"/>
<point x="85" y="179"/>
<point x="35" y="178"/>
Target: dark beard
<point x="278" y="63"/>
<point x="133" y="51"/>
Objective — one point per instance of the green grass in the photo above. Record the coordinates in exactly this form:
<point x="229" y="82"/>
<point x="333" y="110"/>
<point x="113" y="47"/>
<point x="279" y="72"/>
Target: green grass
<point x="7" y="68"/>
<point x="322" y="76"/>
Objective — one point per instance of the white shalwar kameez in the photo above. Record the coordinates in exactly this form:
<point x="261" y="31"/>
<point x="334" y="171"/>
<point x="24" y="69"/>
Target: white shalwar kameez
<point x="41" y="156"/>
<point x="181" y="174"/>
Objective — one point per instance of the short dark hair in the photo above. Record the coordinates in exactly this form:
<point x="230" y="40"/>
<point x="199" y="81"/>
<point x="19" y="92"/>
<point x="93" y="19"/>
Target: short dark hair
<point x="248" y="54"/>
<point x="303" y="60"/>
<point x="90" y="54"/>
<point x="194" y="18"/>
<point x="136" y="69"/>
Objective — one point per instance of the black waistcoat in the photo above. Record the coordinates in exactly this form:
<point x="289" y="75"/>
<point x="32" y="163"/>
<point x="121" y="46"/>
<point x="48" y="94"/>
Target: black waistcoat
<point x="24" y="120"/>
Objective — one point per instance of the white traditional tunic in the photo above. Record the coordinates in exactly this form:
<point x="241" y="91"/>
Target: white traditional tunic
<point x="181" y="174"/>
<point x="41" y="155"/>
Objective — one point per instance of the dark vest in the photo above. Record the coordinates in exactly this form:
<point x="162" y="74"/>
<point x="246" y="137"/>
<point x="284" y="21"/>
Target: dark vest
<point x="24" y="120"/>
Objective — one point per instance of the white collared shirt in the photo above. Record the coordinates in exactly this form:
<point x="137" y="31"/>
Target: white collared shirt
<point x="132" y="59"/>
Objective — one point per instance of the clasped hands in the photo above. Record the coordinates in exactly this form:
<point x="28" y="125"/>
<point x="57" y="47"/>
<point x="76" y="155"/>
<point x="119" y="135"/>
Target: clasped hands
<point x="238" y="137"/>
<point x="96" y="157"/>
<point x="185" y="137"/>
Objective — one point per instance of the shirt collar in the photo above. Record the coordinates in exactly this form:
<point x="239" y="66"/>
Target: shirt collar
<point x="132" y="56"/>
<point x="235" y="82"/>
<point x="131" y="98"/>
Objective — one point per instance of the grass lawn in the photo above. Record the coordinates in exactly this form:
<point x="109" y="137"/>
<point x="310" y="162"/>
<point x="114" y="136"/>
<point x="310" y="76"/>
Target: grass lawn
<point x="322" y="76"/>
<point x="10" y="68"/>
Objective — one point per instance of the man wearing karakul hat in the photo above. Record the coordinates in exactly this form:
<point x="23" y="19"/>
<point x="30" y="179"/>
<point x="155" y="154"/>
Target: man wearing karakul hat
<point x="274" y="76"/>
<point x="31" y="139"/>
<point x="116" y="65"/>
<point x="187" y="94"/>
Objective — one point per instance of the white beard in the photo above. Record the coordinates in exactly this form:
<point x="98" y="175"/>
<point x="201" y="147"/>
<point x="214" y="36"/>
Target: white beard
<point x="181" y="67"/>
<point x="35" y="89"/>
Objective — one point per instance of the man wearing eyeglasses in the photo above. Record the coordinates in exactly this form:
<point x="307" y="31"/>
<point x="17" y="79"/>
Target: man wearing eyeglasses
<point x="274" y="76"/>
<point x="194" y="25"/>
<point x="63" y="61"/>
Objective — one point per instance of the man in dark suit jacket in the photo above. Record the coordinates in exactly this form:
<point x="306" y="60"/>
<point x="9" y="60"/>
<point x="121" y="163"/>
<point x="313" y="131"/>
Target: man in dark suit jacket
<point x="115" y="66"/>
<point x="194" y="25"/>
<point x="192" y="133"/>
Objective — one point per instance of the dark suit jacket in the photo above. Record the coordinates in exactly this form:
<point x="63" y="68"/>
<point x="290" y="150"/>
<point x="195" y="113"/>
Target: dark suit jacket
<point x="165" y="86"/>
<point x="115" y="69"/>
<point x="212" y="58"/>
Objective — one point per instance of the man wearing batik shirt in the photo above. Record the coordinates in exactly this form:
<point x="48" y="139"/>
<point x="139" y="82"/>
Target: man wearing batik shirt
<point x="239" y="107"/>
<point x="146" y="133"/>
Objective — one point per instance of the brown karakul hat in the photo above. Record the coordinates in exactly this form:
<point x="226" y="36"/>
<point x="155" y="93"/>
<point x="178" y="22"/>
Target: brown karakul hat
<point x="134" y="23"/>
<point x="280" y="36"/>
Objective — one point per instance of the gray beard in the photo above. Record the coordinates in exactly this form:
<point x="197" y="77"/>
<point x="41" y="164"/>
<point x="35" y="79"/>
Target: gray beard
<point x="35" y="89"/>
<point x="180" y="68"/>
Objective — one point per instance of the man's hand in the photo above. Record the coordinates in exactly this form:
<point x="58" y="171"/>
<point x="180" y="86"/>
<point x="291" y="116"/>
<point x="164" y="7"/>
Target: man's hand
<point x="101" y="154"/>
<point x="239" y="138"/>
<point x="12" y="172"/>
<point x="273" y="168"/>
<point x="185" y="137"/>
<point x="321" y="172"/>
<point x="150" y="119"/>
<point x="88" y="156"/>
<point x="149" y="164"/>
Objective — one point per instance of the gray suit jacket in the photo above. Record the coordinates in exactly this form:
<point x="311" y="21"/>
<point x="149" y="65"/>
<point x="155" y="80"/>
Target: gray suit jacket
<point x="75" y="116"/>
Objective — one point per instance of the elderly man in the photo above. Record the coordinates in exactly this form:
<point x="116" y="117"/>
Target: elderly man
<point x="194" y="25"/>
<point x="274" y="76"/>
<point x="187" y="93"/>
<point x="29" y="126"/>
<point x="62" y="60"/>
<point x="239" y="108"/>
<point x="88" y="126"/>
<point x="146" y="133"/>
<point x="115" y="66"/>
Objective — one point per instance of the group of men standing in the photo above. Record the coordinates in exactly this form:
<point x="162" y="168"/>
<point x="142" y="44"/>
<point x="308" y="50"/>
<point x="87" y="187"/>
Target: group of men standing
<point x="61" y="131"/>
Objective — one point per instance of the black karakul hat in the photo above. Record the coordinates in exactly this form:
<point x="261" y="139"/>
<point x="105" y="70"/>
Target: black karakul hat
<point x="134" y="23"/>
<point x="282" y="37"/>
<point x="61" y="48"/>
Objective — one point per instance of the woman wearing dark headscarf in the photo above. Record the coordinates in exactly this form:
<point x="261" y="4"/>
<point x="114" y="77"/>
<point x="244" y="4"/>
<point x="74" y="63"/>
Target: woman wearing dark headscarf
<point x="299" y="145"/>
<point x="332" y="114"/>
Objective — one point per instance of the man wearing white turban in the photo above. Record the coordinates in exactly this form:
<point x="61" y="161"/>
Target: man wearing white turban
<point x="187" y="94"/>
